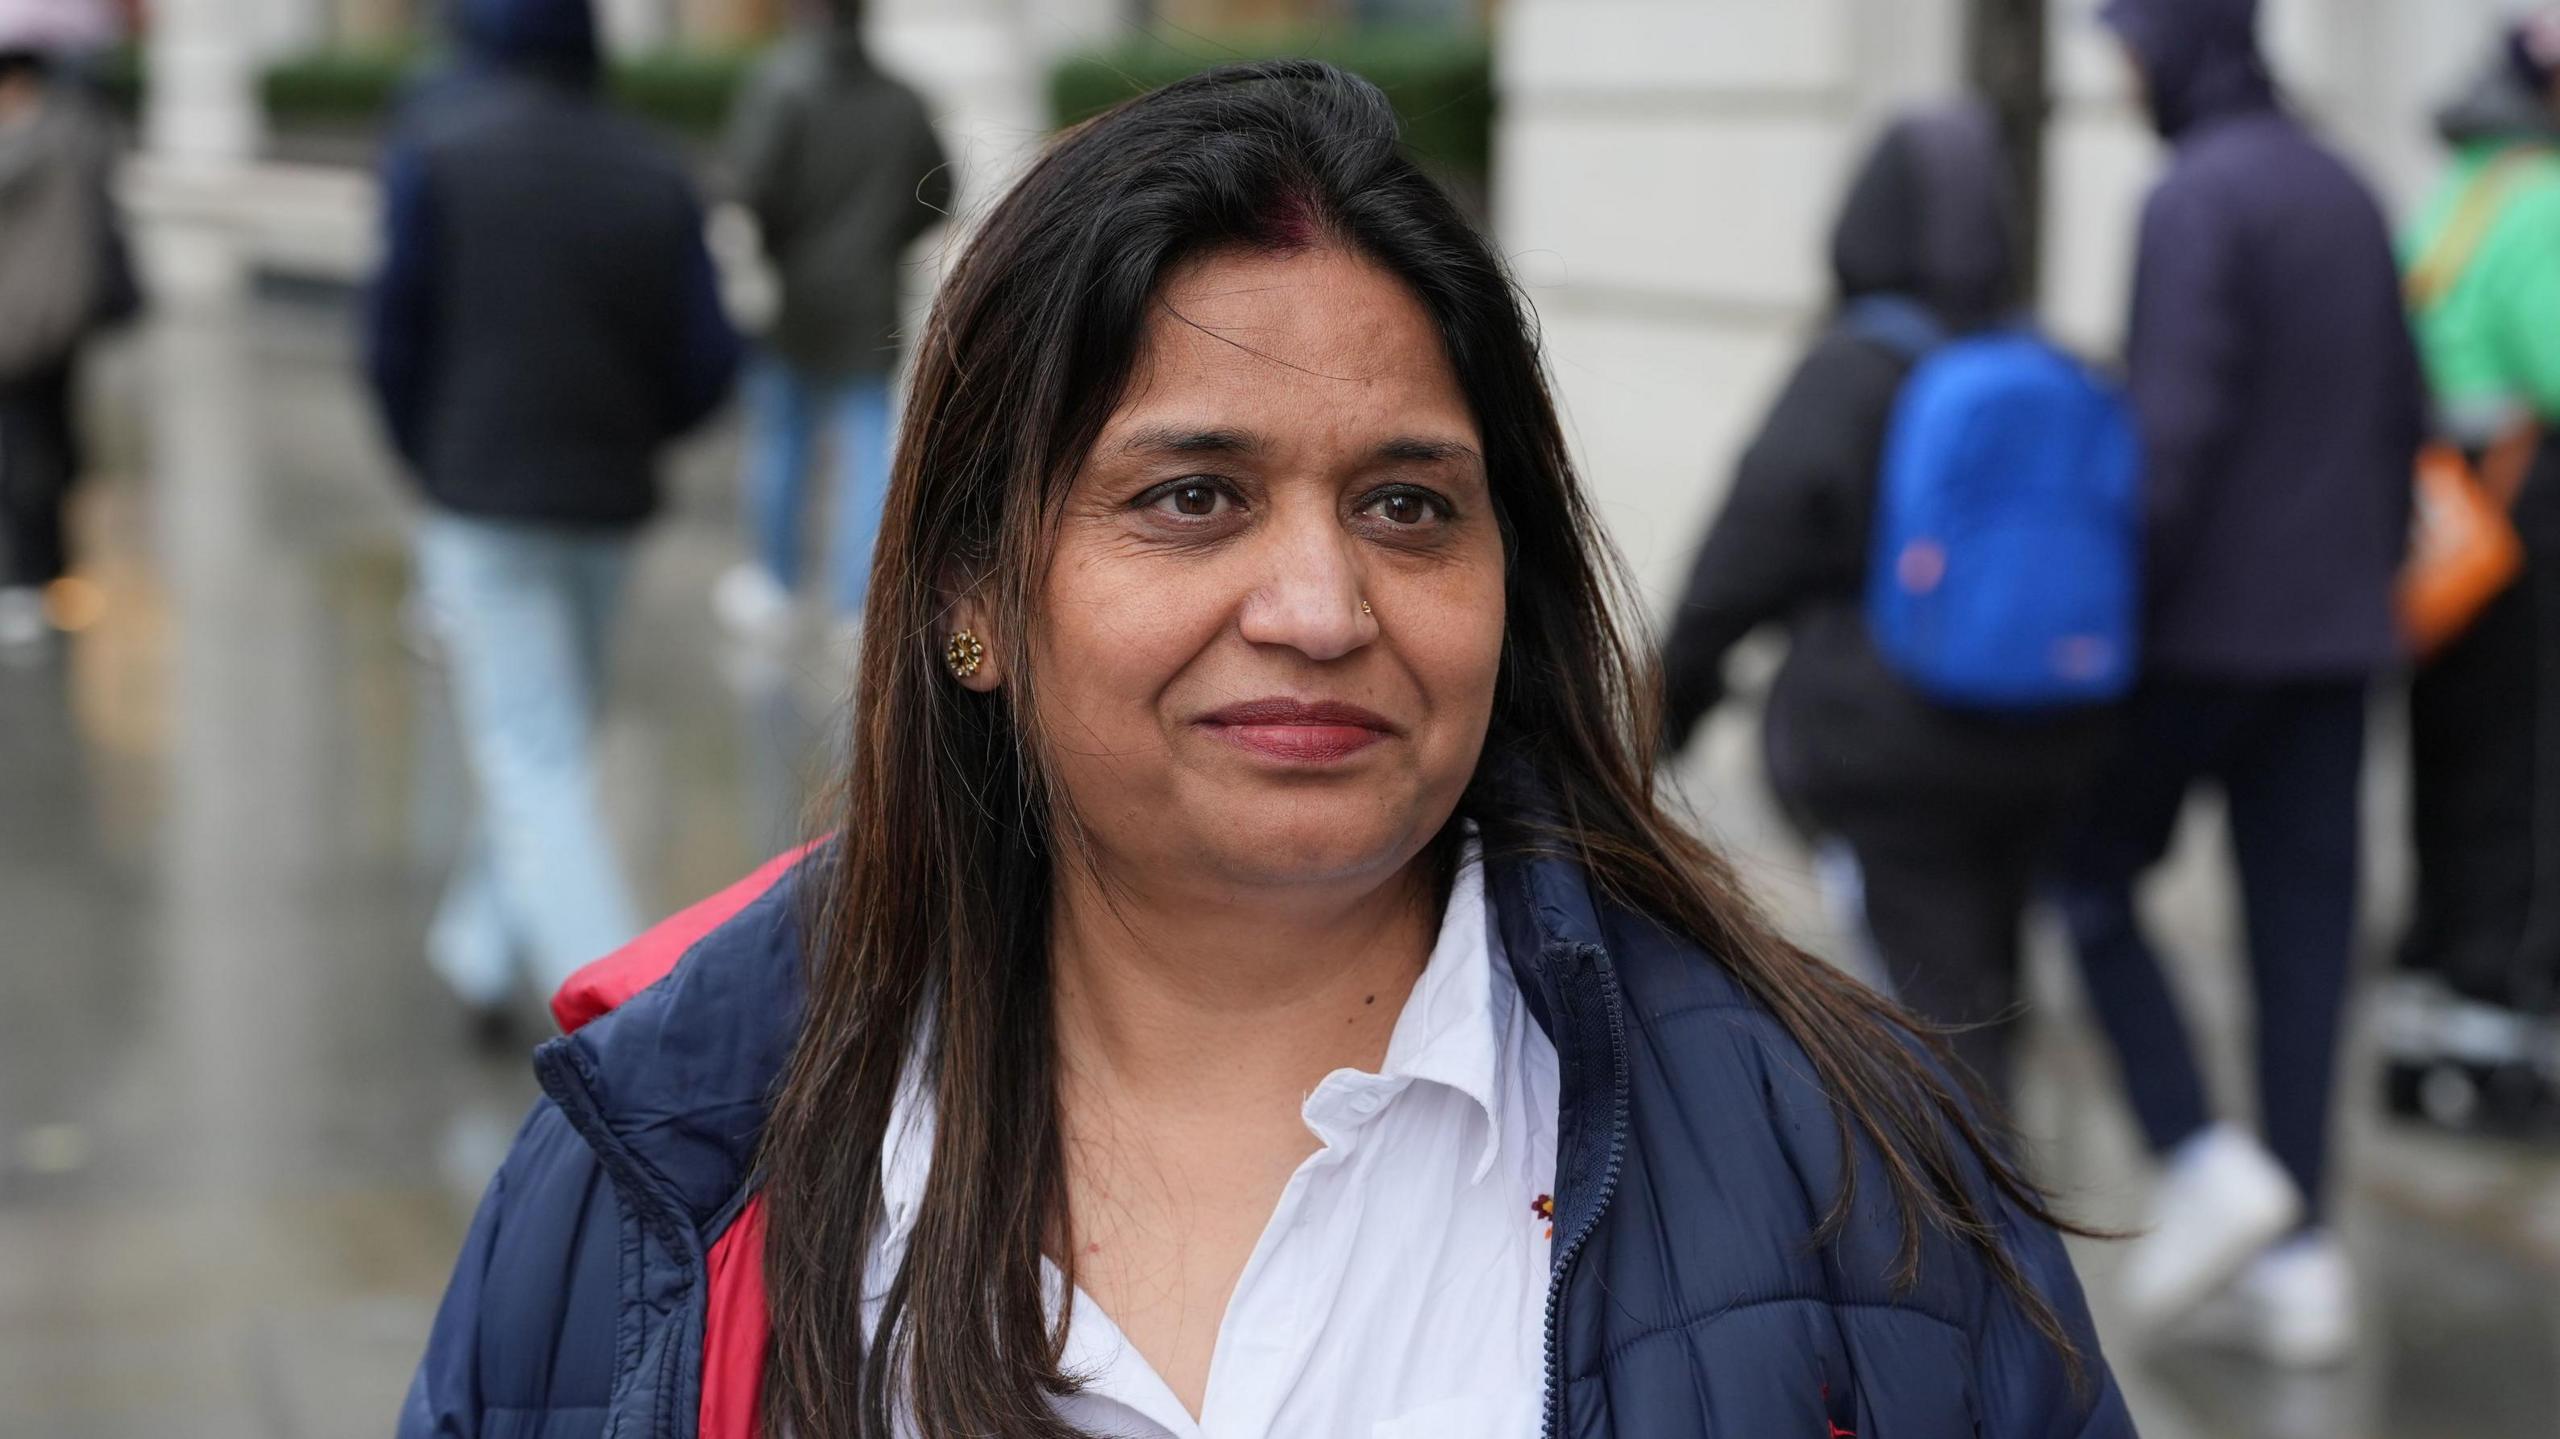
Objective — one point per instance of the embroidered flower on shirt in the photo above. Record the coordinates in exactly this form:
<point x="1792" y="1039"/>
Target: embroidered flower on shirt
<point x="1544" y="1206"/>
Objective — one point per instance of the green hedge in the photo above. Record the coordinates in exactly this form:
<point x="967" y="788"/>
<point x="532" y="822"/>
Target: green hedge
<point x="1440" y="80"/>
<point x="336" y="87"/>
<point x="118" y="76"/>
<point x="685" y="91"/>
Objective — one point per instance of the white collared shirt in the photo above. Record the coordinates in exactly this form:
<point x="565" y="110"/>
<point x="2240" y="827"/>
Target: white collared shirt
<point x="1399" y="1289"/>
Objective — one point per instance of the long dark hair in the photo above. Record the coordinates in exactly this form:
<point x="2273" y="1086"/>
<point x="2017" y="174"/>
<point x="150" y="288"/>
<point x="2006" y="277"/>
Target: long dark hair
<point x="933" y="930"/>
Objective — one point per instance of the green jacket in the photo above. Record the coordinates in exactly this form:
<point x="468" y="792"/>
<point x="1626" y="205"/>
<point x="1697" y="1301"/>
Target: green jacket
<point x="2491" y="340"/>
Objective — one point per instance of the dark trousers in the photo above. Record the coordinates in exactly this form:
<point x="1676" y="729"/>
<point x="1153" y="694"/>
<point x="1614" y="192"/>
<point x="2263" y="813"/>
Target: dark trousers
<point x="39" y="455"/>
<point x="1946" y="890"/>
<point x="2484" y="737"/>
<point x="2288" y="758"/>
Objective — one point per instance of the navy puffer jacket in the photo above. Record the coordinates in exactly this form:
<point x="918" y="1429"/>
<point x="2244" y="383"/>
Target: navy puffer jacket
<point x="1695" y="1158"/>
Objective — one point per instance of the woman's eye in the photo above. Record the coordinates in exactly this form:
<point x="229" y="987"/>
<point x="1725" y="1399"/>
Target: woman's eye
<point x="1191" y="501"/>
<point x="1407" y="507"/>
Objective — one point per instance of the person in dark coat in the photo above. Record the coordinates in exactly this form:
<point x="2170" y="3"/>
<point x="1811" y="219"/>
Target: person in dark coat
<point x="56" y="228"/>
<point x="2279" y="400"/>
<point x="2469" y="1028"/>
<point x="1946" y="813"/>
<point x="838" y="161"/>
<point x="544" y="323"/>
<point x="1231" y="999"/>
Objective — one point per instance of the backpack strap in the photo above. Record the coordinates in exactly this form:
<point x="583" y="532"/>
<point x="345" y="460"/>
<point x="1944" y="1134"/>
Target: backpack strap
<point x="1897" y="322"/>
<point x="2436" y="272"/>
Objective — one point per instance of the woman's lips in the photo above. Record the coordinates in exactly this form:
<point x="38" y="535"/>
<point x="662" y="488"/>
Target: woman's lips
<point x="1301" y="731"/>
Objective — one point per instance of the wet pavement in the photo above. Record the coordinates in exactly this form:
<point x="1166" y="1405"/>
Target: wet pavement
<point x="240" y="1127"/>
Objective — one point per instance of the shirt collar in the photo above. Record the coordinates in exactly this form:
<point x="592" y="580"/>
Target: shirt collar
<point x="1450" y="1034"/>
<point x="1452" y="1028"/>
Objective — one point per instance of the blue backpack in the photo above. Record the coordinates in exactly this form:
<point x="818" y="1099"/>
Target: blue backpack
<point x="2006" y="566"/>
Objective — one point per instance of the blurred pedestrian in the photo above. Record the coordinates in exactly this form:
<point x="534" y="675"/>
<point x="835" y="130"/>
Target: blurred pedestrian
<point x="545" y="321"/>
<point x="838" y="161"/>
<point x="1942" y="811"/>
<point x="61" y="275"/>
<point x="2281" y="412"/>
<point x="2484" y="712"/>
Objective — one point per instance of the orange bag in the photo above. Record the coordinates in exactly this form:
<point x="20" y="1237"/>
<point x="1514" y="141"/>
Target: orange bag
<point x="2464" y="550"/>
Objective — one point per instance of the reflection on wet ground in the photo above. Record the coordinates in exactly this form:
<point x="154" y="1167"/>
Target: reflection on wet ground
<point x="240" y="1129"/>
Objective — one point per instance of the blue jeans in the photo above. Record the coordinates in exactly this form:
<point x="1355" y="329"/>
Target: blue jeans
<point x="524" y="611"/>
<point x="2288" y="758"/>
<point x="786" y="413"/>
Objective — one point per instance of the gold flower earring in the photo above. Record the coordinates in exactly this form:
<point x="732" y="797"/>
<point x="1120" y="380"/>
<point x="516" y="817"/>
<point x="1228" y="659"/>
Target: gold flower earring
<point x="964" y="654"/>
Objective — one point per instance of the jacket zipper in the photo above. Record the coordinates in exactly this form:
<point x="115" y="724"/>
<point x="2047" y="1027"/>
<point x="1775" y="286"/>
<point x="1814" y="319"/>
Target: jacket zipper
<point x="1597" y="962"/>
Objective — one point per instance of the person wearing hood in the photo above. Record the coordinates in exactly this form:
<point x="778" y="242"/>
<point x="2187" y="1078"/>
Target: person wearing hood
<point x="55" y="223"/>
<point x="545" y="321"/>
<point x="2484" y="712"/>
<point x="838" y="161"/>
<point x="2278" y="394"/>
<point x="1941" y="813"/>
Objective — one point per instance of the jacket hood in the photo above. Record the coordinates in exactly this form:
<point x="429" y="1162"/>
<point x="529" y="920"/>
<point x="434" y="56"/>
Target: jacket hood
<point x="844" y="46"/>
<point x="2200" y="58"/>
<point x="1932" y="215"/>
<point x="839" y="26"/>
<point x="2497" y="105"/>
<point x="556" y="37"/>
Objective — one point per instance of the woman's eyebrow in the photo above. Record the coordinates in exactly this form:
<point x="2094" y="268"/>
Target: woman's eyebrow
<point x="1185" y="440"/>
<point x="1176" y="439"/>
<point x="1416" y="450"/>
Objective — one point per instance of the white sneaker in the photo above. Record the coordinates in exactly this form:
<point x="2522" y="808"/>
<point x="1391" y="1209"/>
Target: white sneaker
<point x="752" y="604"/>
<point x="2304" y="1295"/>
<point x="22" y="622"/>
<point x="2221" y="1202"/>
<point x="2294" y="1306"/>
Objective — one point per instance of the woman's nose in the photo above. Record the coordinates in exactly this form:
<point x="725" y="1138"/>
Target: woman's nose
<point x="1311" y="599"/>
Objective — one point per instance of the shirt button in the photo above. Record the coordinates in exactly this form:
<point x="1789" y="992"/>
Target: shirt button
<point x="1365" y="1103"/>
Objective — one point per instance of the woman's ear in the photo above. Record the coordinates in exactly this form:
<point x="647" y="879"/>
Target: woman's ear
<point x="969" y="652"/>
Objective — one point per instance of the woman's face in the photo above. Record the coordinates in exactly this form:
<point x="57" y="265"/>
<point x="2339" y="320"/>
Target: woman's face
<point x="1268" y="646"/>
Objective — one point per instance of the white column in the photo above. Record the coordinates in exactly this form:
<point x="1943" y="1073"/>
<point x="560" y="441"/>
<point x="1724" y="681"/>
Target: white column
<point x="985" y="81"/>
<point x="975" y="62"/>
<point x="203" y="108"/>
<point x="201" y="132"/>
<point x="2099" y="159"/>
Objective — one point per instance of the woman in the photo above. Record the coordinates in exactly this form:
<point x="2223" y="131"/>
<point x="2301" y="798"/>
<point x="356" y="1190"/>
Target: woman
<point x="1946" y="813"/>
<point x="1252" y="991"/>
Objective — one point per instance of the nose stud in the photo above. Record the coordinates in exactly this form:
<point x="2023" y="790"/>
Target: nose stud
<point x="1364" y="608"/>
